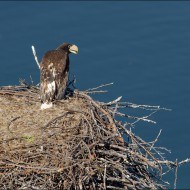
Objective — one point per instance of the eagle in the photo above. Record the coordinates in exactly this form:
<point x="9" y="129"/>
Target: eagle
<point x="54" y="71"/>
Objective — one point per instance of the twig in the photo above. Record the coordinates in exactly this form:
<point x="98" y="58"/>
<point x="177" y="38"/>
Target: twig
<point x="155" y="140"/>
<point x="35" y="56"/>
<point x="31" y="80"/>
<point x="8" y="127"/>
<point x="105" y="177"/>
<point x="176" y="171"/>
<point x="58" y="117"/>
<point x="144" y="118"/>
<point x="112" y="124"/>
<point x="97" y="91"/>
<point x="184" y="161"/>
<point x="113" y="102"/>
<point x="27" y="166"/>
<point x="103" y="85"/>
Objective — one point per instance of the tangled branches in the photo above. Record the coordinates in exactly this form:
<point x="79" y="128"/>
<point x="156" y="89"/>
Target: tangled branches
<point x="77" y="144"/>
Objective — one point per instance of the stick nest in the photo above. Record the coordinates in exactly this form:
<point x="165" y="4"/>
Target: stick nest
<point x="76" y="144"/>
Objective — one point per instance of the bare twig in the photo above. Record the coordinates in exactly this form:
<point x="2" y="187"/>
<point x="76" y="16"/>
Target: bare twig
<point x="113" y="102"/>
<point x="95" y="88"/>
<point x="155" y="139"/>
<point x="184" y="161"/>
<point x="105" y="177"/>
<point x="35" y="56"/>
<point x="176" y="171"/>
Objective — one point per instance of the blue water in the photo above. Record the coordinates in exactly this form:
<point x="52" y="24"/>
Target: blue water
<point x="143" y="47"/>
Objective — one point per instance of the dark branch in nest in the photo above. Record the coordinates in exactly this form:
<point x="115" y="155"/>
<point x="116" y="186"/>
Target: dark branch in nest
<point x="82" y="147"/>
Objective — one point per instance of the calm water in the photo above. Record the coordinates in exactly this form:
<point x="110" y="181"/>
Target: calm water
<point x="143" y="47"/>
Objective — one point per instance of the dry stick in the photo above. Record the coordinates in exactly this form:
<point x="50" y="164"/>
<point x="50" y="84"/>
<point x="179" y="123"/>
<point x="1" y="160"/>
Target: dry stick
<point x="120" y="155"/>
<point x="120" y="180"/>
<point x="98" y="118"/>
<point x="58" y="117"/>
<point x="114" y="101"/>
<point x="105" y="177"/>
<point x="31" y="80"/>
<point x="139" y="105"/>
<point x="103" y="85"/>
<point x="97" y="91"/>
<point x="142" y="147"/>
<point x="113" y="187"/>
<point x="153" y="143"/>
<point x="11" y="87"/>
<point x="114" y="128"/>
<point x="155" y="140"/>
<point x="29" y="167"/>
<point x="184" y="161"/>
<point x="35" y="56"/>
<point x="111" y="121"/>
<point x="144" y="118"/>
<point x="87" y="147"/>
<point x="176" y="170"/>
<point x="15" y="94"/>
<point x="115" y="110"/>
<point x="8" y="127"/>
<point x="93" y="117"/>
<point x="128" y="151"/>
<point x="114" y="164"/>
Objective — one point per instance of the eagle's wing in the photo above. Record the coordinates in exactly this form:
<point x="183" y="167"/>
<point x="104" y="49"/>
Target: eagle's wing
<point x="61" y="78"/>
<point x="54" y="75"/>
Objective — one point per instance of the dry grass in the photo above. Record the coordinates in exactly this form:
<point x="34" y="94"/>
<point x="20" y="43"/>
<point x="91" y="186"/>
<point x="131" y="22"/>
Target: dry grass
<point x="77" y="144"/>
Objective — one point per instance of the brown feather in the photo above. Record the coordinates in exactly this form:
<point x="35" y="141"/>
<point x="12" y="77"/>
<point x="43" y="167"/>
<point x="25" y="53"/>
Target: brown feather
<point x="54" y="74"/>
<point x="54" y="70"/>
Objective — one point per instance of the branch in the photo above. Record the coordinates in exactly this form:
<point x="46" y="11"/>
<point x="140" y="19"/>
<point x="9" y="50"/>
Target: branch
<point x="103" y="85"/>
<point x="176" y="171"/>
<point x="35" y="56"/>
<point x="113" y="102"/>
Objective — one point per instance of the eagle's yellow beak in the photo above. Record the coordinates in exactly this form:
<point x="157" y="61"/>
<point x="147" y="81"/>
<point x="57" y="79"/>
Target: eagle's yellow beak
<point x="73" y="49"/>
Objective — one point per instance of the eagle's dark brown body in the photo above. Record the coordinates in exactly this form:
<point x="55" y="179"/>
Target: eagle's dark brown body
<point x="54" y="73"/>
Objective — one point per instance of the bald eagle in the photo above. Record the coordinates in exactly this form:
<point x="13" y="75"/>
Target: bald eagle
<point x="54" y="71"/>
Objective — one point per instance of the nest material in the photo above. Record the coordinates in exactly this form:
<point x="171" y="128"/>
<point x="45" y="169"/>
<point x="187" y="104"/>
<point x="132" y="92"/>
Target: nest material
<point x="76" y="144"/>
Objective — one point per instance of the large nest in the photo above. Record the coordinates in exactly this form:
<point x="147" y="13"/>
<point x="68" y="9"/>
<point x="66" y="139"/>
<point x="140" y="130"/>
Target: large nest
<point x="76" y="144"/>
